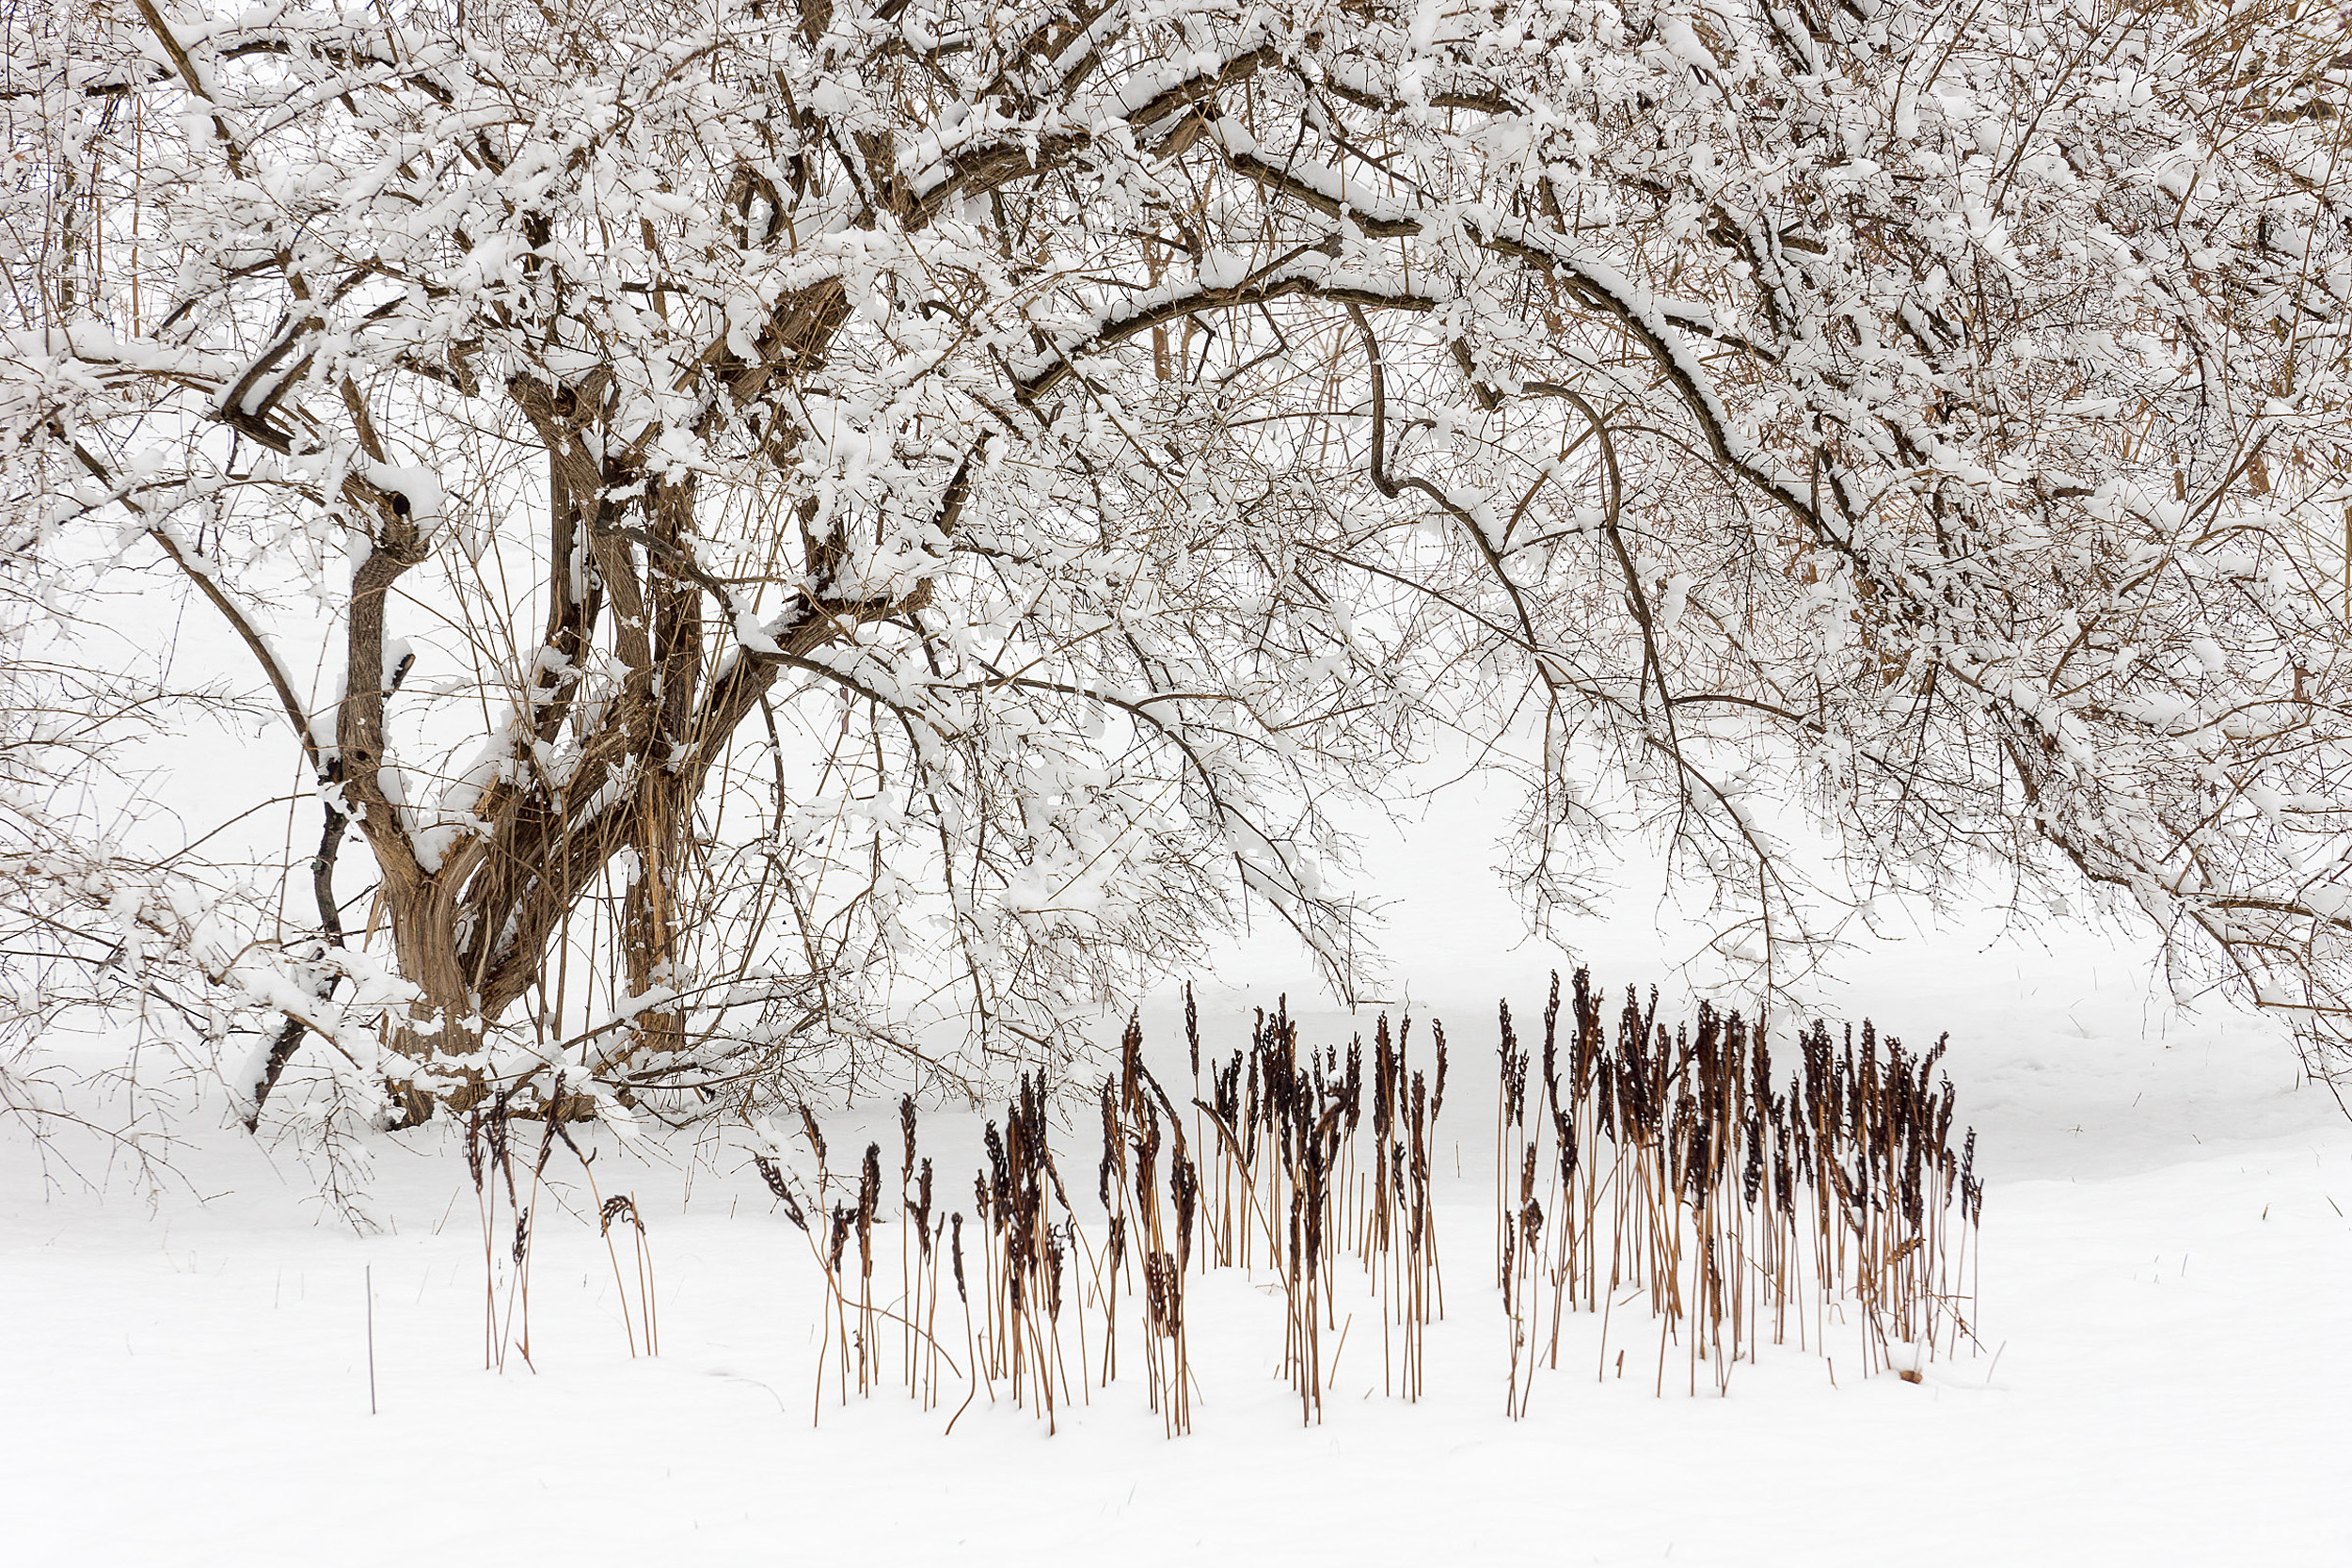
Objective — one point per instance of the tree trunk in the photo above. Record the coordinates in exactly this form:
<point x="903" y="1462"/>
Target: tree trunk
<point x="649" y="913"/>
<point x="445" y="1019"/>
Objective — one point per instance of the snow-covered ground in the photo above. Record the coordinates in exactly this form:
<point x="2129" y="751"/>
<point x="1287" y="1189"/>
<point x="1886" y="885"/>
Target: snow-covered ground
<point x="2167" y="1280"/>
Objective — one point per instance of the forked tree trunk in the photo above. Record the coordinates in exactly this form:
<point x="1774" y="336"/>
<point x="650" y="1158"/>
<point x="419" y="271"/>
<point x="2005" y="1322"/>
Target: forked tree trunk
<point x="473" y="933"/>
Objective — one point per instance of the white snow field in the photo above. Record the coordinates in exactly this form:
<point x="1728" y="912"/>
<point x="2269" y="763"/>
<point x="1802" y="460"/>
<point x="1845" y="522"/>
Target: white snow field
<point x="2166" y="1298"/>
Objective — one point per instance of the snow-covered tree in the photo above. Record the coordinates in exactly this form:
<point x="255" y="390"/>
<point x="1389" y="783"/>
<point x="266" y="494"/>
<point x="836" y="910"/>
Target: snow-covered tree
<point x="797" y="493"/>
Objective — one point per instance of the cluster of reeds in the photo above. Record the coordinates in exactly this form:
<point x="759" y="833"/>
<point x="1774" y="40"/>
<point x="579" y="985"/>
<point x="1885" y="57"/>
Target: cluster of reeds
<point x="623" y="1206"/>
<point x="1025" y="1257"/>
<point x="1396" y="1220"/>
<point x="1032" y="1268"/>
<point x="852" y="1343"/>
<point x="490" y="1135"/>
<point x="918" y="1265"/>
<point x="1290" y="1172"/>
<point x="1660" y="1167"/>
<point x="1679" y="1170"/>
<point x="1151" y="1220"/>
